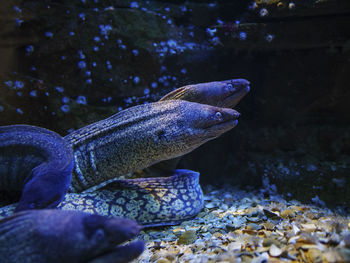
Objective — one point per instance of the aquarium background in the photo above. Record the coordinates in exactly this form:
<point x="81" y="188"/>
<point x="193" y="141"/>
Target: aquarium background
<point x="65" y="64"/>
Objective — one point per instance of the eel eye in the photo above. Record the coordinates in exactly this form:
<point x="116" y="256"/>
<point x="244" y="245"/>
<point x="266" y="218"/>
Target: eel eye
<point x="230" y="88"/>
<point x="218" y="116"/>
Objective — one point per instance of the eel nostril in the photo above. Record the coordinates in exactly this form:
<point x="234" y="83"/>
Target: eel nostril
<point x="218" y="116"/>
<point x="237" y="114"/>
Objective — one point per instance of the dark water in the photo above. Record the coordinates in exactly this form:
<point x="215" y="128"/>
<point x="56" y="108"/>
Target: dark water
<point x="66" y="64"/>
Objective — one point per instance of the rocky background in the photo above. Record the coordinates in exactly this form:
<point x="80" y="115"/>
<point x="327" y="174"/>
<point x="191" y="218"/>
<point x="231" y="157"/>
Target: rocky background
<point x="65" y="64"/>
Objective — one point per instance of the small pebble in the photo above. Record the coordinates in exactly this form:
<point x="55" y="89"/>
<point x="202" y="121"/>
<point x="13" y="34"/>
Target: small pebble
<point x="188" y="237"/>
<point x="275" y="251"/>
<point x="288" y="213"/>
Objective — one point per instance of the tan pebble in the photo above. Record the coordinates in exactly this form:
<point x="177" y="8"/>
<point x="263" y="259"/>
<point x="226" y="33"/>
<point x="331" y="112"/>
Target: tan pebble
<point x="198" y="248"/>
<point x="187" y="237"/>
<point x="308" y="227"/>
<point x="249" y="231"/>
<point x="217" y="234"/>
<point x="293" y="240"/>
<point x="262" y="233"/>
<point x="296" y="208"/>
<point x="234" y="246"/>
<point x="217" y="213"/>
<point x="154" y="257"/>
<point x="187" y="251"/>
<point x="288" y="213"/>
<point x="308" y="246"/>
<point x="173" y="250"/>
<point x="175" y="230"/>
<point x="163" y="260"/>
<point x="280" y="4"/>
<point x="314" y="255"/>
<point x="253" y="227"/>
<point x="252" y="211"/>
<point x="246" y="259"/>
<point x="332" y="257"/>
<point x="267" y="242"/>
<point x="268" y="225"/>
<point x="170" y="257"/>
<point x="281" y="233"/>
<point x="275" y="251"/>
<point x="275" y="260"/>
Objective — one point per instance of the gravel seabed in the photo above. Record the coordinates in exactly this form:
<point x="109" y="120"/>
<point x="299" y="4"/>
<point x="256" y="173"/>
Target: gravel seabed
<point x="251" y="226"/>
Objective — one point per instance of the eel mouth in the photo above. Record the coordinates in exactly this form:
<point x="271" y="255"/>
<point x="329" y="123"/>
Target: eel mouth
<point x="225" y="120"/>
<point x="121" y="253"/>
<point x="111" y="235"/>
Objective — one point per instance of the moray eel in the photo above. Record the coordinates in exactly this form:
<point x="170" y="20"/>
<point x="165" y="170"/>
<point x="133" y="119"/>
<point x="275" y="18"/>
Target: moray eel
<point x="141" y="136"/>
<point x="57" y="236"/>
<point x="138" y="137"/>
<point x="37" y="158"/>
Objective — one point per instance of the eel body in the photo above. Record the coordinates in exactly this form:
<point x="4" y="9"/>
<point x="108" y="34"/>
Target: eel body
<point x="148" y="201"/>
<point x="141" y="136"/>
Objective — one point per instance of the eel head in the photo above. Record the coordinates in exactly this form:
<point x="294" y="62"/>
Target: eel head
<point x="193" y="124"/>
<point x="225" y="93"/>
<point x="51" y="235"/>
<point x="45" y="187"/>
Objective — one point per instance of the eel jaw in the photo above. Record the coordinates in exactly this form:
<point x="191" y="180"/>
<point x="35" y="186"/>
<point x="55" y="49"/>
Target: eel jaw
<point x="107" y="236"/>
<point x="121" y="253"/>
<point x="236" y="90"/>
<point x="220" y="121"/>
<point x="227" y="119"/>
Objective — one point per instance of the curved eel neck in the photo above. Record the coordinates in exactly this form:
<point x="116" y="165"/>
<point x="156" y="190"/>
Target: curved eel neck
<point x="24" y="147"/>
<point x="119" y="144"/>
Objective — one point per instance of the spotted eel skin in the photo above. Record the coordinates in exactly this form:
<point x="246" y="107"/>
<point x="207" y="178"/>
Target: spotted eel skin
<point x="148" y="201"/>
